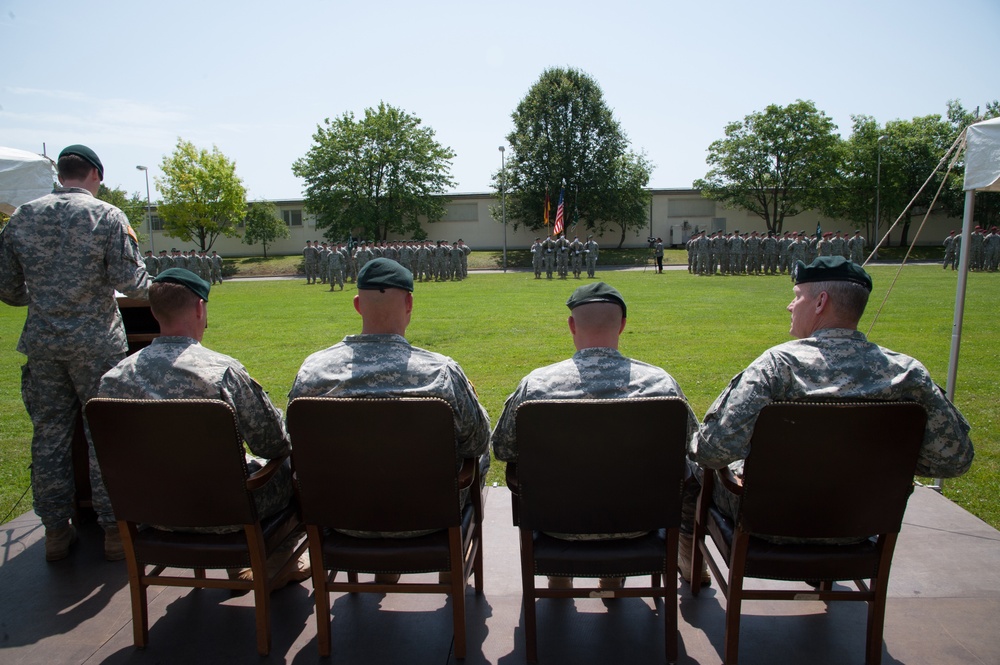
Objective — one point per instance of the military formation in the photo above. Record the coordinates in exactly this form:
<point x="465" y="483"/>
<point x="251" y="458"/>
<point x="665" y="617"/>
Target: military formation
<point x="984" y="250"/>
<point x="429" y="261"/>
<point x="733" y="253"/>
<point x="560" y="255"/>
<point x="208" y="267"/>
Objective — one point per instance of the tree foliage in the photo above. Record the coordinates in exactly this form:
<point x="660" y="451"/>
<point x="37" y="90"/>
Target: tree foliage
<point x="564" y="132"/>
<point x="202" y="196"/>
<point x="263" y="225"/>
<point x="133" y="206"/>
<point x="375" y="175"/>
<point x="775" y="163"/>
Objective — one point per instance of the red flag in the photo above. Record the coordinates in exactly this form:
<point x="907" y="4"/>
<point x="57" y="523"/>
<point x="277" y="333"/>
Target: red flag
<point x="548" y="207"/>
<point x="560" y="220"/>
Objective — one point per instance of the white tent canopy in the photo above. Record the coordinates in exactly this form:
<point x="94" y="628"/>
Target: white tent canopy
<point x="24" y="176"/>
<point x="982" y="156"/>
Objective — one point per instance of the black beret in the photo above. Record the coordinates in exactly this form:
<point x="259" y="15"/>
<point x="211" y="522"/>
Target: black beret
<point x="382" y="273"/>
<point x="831" y="269"/>
<point x="185" y="278"/>
<point x="596" y="292"/>
<point x="87" y="154"/>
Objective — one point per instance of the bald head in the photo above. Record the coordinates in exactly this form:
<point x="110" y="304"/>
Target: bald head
<point x="384" y="312"/>
<point x="596" y="324"/>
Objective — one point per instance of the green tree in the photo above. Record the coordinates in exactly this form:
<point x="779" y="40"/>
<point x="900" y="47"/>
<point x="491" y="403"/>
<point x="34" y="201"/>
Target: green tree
<point x="852" y="193"/>
<point x="133" y="206"/>
<point x="202" y="196"/>
<point x="263" y="225"/>
<point x="775" y="163"/>
<point x="564" y="132"/>
<point x="376" y="175"/>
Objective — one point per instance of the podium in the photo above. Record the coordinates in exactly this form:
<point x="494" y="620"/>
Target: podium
<point x="141" y="328"/>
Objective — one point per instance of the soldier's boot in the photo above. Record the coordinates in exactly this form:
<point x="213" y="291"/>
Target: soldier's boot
<point x="114" y="549"/>
<point x="58" y="541"/>
<point x="684" y="563"/>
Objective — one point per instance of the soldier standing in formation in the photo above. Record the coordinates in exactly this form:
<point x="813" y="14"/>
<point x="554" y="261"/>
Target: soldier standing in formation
<point x="536" y="258"/>
<point x="591" y="250"/>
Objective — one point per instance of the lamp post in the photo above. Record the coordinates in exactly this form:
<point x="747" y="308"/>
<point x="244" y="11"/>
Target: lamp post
<point x="149" y="207"/>
<point x="878" y="189"/>
<point x="503" y="204"/>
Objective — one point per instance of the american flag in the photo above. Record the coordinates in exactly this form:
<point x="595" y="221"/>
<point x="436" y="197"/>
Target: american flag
<point x="560" y="209"/>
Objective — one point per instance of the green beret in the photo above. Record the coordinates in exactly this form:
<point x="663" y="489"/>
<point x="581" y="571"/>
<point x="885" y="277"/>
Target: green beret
<point x="87" y="154"/>
<point x="831" y="269"/>
<point x="596" y="292"/>
<point x="382" y="273"/>
<point x="185" y="278"/>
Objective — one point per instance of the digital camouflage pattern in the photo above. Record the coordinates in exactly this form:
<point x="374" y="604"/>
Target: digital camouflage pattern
<point x="834" y="363"/>
<point x="63" y="255"/>
<point x="594" y="373"/>
<point x="181" y="368"/>
<point x="385" y="365"/>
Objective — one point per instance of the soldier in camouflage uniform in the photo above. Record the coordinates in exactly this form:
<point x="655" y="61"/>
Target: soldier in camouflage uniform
<point x="73" y="332"/>
<point x="769" y="248"/>
<point x="216" y="268"/>
<point x="151" y="263"/>
<point x="830" y="358"/>
<point x="596" y="371"/>
<point x="536" y="258"/>
<point x="576" y="256"/>
<point x="856" y="248"/>
<point x="562" y="256"/>
<point x="381" y="363"/>
<point x="592" y="250"/>
<point x="548" y="255"/>
<point x="335" y="267"/>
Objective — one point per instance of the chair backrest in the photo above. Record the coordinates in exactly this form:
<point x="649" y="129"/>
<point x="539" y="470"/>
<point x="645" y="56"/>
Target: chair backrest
<point x="601" y="466"/>
<point x="831" y="469"/>
<point x="174" y="463"/>
<point x="375" y="464"/>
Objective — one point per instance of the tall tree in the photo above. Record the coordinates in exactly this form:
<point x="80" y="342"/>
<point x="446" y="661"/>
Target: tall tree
<point x="263" y="225"/>
<point x="202" y="196"/>
<point x="133" y="206"/>
<point x="852" y="194"/>
<point x="774" y="163"/>
<point x="564" y="132"/>
<point x="375" y="175"/>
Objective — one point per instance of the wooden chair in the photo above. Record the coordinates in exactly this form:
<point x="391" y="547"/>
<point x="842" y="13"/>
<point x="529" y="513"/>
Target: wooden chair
<point x="385" y="465"/>
<point x="599" y="466"/>
<point x="815" y="470"/>
<point x="191" y="477"/>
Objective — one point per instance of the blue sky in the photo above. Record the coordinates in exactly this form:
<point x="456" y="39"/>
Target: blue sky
<point x="256" y="78"/>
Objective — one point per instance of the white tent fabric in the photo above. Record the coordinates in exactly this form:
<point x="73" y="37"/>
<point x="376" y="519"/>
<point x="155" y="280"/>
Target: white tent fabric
<point x="982" y="156"/>
<point x="24" y="176"/>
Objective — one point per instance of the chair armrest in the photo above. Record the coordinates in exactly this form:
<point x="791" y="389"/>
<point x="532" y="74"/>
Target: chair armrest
<point x="260" y="478"/>
<point x="512" y="477"/>
<point x="467" y="474"/>
<point x="730" y="480"/>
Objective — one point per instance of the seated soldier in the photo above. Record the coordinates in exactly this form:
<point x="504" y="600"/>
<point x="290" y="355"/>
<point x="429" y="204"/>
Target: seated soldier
<point x="829" y="359"/>
<point x="176" y="366"/>
<point x="596" y="371"/>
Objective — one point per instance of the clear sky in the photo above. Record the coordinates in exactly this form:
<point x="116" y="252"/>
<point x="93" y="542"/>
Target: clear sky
<point x="128" y="78"/>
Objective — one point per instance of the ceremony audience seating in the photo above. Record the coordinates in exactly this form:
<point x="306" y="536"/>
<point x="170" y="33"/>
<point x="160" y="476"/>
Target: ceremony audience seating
<point x="815" y="470"/>
<point x="384" y="465"/>
<point x="180" y="463"/>
<point x="599" y="466"/>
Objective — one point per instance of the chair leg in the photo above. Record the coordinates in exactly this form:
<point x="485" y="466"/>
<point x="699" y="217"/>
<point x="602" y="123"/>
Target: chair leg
<point x="670" y="597"/>
<point x="458" y="583"/>
<point x="734" y="598"/>
<point x="137" y="586"/>
<point x="876" y="606"/>
<point x="321" y="593"/>
<point x="261" y="588"/>
<point x="528" y="596"/>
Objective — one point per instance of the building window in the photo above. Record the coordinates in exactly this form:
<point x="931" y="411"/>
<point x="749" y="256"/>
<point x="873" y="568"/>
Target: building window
<point x="292" y="217"/>
<point x="461" y="212"/>
<point x="155" y="223"/>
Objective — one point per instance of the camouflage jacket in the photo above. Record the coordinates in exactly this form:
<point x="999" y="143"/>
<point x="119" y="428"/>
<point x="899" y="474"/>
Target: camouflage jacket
<point x="834" y="363"/>
<point x="388" y="366"/>
<point x="595" y="373"/>
<point x="63" y="255"/>
<point x="181" y="368"/>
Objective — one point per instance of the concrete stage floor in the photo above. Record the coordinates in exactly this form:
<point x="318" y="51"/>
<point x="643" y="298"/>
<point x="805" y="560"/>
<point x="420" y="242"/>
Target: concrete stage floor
<point x="944" y="604"/>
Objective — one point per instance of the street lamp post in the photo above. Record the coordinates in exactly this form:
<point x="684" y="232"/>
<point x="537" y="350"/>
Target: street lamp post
<point x="503" y="203"/>
<point x="878" y="189"/>
<point x="149" y="208"/>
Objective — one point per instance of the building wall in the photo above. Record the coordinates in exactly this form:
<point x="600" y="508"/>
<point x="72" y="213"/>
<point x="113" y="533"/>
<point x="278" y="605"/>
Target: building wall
<point x="673" y="216"/>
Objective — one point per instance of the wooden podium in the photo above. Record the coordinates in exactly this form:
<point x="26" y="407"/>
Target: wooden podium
<point x="141" y="328"/>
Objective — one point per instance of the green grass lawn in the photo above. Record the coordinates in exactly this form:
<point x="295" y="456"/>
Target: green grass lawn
<point x="499" y="327"/>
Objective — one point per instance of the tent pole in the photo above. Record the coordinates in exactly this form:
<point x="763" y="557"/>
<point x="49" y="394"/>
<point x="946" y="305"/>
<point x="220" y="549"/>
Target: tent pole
<point x="956" y="327"/>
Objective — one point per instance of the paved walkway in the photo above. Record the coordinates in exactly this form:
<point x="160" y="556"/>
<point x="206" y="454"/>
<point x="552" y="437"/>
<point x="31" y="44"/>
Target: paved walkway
<point x="944" y="600"/>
